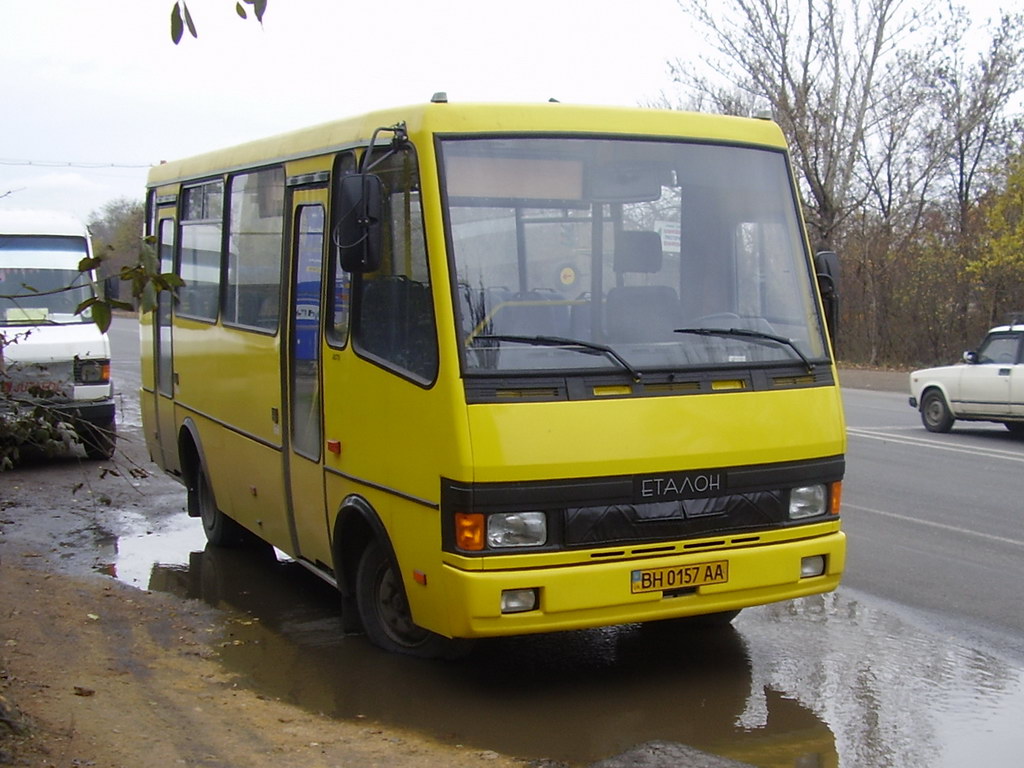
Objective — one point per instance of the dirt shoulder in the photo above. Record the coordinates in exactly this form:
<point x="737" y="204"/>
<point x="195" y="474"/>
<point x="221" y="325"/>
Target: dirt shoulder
<point x="97" y="673"/>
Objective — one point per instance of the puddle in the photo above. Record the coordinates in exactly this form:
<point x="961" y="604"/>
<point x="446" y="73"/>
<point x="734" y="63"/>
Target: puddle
<point x="137" y="558"/>
<point x="828" y="681"/>
<point x="894" y="693"/>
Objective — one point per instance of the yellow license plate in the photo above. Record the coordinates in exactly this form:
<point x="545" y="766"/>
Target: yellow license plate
<point x="679" y="577"/>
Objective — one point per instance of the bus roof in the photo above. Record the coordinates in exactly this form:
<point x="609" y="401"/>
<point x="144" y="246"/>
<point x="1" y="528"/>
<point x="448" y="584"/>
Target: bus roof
<point x="30" y="222"/>
<point x="441" y="118"/>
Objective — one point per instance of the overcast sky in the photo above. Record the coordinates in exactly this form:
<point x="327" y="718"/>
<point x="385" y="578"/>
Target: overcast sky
<point x="101" y="83"/>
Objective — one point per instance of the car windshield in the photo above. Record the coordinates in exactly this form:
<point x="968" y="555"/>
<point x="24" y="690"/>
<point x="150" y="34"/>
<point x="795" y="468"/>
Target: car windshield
<point x="32" y="292"/>
<point x="615" y="253"/>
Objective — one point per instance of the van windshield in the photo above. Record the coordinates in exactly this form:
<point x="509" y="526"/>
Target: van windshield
<point x="39" y="284"/>
<point x="639" y="246"/>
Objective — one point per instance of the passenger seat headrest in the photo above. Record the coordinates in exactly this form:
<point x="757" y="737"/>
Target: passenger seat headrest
<point x="638" y="251"/>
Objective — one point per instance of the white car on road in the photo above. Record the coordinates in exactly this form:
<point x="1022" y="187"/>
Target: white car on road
<point x="987" y="386"/>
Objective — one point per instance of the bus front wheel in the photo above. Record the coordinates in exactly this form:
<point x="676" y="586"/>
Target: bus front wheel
<point x="384" y="610"/>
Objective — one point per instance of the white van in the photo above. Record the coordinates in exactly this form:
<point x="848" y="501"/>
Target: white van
<point x="50" y="355"/>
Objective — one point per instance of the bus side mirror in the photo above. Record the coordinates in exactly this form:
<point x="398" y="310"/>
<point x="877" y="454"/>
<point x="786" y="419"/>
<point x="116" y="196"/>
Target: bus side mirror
<point x="356" y="225"/>
<point x="826" y="267"/>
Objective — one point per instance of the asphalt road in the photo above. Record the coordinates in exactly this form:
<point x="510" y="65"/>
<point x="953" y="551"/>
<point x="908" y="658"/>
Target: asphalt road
<point x="936" y="522"/>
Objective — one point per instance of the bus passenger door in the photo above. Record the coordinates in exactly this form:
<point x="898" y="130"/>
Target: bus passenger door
<point x="163" y="354"/>
<point x="305" y="398"/>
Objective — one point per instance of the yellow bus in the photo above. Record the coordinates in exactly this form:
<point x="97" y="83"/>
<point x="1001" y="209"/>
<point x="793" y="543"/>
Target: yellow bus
<point x="504" y="369"/>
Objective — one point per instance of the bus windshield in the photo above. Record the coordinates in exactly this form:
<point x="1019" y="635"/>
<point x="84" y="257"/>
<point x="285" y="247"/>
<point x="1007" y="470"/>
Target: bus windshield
<point x="627" y="254"/>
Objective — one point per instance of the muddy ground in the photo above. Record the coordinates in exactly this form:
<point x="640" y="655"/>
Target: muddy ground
<point x="97" y="673"/>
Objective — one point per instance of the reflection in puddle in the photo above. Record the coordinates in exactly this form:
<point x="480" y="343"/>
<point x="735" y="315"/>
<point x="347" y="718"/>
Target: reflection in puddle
<point x="135" y="558"/>
<point x="825" y="682"/>
<point x="895" y="695"/>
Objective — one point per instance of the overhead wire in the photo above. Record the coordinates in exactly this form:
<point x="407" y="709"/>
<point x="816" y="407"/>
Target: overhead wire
<point x="70" y="164"/>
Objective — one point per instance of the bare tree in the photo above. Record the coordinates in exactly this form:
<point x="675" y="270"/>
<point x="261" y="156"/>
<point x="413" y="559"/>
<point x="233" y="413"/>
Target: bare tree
<point x="891" y="128"/>
<point x="116" y="231"/>
<point x="974" y="101"/>
<point x="824" y="74"/>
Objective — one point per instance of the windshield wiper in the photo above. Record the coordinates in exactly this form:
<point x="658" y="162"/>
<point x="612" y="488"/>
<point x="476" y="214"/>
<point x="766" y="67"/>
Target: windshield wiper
<point x="586" y="347"/>
<point x="753" y="335"/>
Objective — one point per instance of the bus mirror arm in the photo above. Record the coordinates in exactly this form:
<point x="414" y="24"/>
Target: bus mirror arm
<point x="356" y="228"/>
<point x="399" y="140"/>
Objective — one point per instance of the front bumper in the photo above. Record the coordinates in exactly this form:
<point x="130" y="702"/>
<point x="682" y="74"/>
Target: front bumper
<point x="598" y="594"/>
<point x="97" y="413"/>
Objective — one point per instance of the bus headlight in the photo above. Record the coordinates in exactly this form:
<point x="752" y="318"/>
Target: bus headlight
<point x="808" y="501"/>
<point x="517" y="529"/>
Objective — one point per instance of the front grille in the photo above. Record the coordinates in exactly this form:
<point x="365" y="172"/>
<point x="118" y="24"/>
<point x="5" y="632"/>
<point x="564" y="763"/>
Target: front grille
<point x="617" y="523"/>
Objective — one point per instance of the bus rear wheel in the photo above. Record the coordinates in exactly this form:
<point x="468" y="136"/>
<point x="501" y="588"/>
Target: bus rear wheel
<point x="220" y="529"/>
<point x="384" y="611"/>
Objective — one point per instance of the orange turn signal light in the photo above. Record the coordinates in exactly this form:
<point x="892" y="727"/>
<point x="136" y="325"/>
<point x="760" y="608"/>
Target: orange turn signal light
<point x="835" y="498"/>
<point x="469" y="531"/>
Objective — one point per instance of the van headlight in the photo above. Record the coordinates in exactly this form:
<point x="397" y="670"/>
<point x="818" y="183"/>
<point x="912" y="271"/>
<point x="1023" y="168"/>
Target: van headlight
<point x="92" y="371"/>
<point x="517" y="529"/>
<point x="808" y="501"/>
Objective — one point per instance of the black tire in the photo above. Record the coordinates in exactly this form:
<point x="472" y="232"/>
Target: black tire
<point x="1015" y="427"/>
<point x="99" y="440"/>
<point x="220" y="530"/>
<point x="935" y="414"/>
<point x="384" y="611"/>
<point x="720" y="619"/>
<point x="704" y="620"/>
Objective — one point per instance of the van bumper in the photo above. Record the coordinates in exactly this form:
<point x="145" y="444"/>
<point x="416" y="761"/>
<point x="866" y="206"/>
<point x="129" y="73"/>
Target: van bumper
<point x="599" y="594"/>
<point x="98" y="413"/>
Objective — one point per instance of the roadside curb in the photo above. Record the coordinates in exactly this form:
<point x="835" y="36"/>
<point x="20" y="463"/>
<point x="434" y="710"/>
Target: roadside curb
<point x="877" y="379"/>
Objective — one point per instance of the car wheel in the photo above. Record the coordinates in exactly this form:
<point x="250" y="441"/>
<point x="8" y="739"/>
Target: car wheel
<point x="384" y="610"/>
<point x="935" y="414"/>
<point x="1015" y="427"/>
<point x="99" y="440"/>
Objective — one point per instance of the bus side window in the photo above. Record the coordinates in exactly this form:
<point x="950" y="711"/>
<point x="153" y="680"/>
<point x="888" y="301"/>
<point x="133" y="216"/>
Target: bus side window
<point x="255" y="232"/>
<point x="199" y="262"/>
